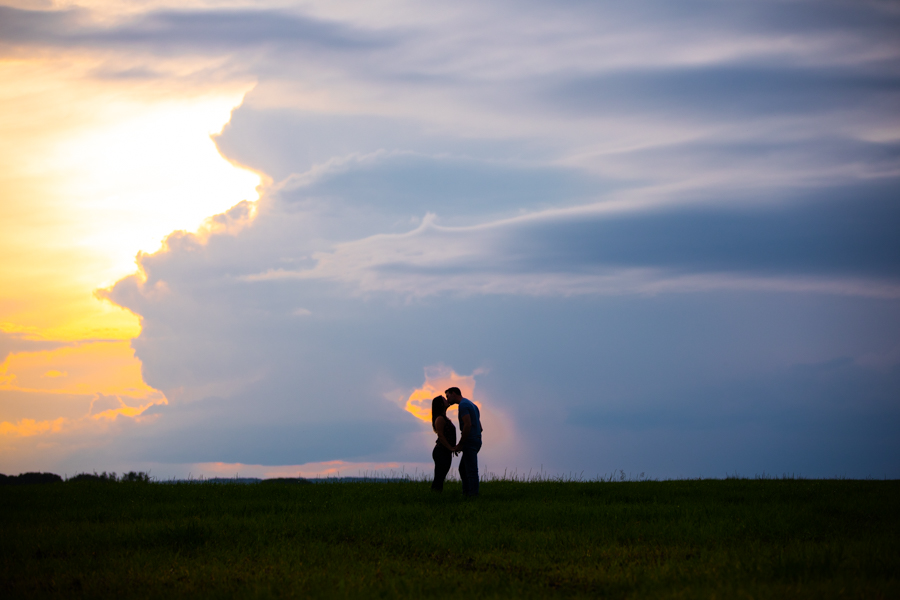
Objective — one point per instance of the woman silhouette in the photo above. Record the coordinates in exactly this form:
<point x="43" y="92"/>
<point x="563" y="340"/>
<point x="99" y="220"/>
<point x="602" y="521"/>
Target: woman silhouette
<point x="446" y="440"/>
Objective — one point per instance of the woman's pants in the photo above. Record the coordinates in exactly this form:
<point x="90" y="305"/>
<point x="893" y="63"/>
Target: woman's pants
<point x="442" y="459"/>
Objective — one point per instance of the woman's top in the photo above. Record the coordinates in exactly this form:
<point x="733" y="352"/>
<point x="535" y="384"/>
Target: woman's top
<point x="449" y="433"/>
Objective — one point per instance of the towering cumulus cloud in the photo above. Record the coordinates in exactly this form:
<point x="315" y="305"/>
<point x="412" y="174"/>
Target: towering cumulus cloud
<point x="661" y="236"/>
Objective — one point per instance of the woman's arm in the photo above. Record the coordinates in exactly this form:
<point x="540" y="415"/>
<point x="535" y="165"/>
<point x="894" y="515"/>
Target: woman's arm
<point x="439" y="427"/>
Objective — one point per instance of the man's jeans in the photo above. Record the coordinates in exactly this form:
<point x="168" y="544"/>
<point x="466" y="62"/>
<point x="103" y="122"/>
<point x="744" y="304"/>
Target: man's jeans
<point x="468" y="467"/>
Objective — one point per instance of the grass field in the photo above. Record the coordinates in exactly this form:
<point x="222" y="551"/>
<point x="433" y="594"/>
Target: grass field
<point x="653" y="539"/>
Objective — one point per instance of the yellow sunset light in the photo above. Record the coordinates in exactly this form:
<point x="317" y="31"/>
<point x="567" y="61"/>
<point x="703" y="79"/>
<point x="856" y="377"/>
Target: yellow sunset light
<point x="140" y="179"/>
<point x="437" y="379"/>
<point x="86" y="381"/>
<point x="94" y="170"/>
<point x="87" y="368"/>
<point x="91" y="173"/>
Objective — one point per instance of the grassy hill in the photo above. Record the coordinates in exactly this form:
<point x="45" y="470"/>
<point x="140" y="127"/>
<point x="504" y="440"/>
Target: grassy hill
<point x="655" y="539"/>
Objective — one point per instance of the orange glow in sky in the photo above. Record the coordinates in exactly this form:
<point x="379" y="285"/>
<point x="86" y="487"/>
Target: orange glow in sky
<point x="86" y="368"/>
<point x="49" y="390"/>
<point x="331" y="468"/>
<point x="437" y="379"/>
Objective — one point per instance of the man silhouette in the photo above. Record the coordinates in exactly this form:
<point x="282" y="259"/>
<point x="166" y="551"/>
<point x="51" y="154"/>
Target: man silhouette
<point x="469" y="440"/>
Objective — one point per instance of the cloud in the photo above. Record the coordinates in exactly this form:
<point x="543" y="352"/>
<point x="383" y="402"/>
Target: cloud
<point x="18" y="26"/>
<point x="845" y="232"/>
<point x="30" y="427"/>
<point x="286" y="141"/>
<point x="206" y="31"/>
<point x="252" y="383"/>
<point x="16" y="405"/>
<point x="795" y="399"/>
<point x="728" y="91"/>
<point x="89" y="382"/>
<point x="643" y="222"/>
<point x="412" y="184"/>
<point x="20" y="342"/>
<point x="880" y="360"/>
<point x="105" y="367"/>
<point x="835" y="241"/>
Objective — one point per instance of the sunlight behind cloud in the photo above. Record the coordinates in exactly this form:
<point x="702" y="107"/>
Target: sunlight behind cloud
<point x="437" y="379"/>
<point x="97" y="381"/>
<point x="29" y="427"/>
<point x="152" y="174"/>
<point x="107" y="173"/>
<point x="94" y="170"/>
<point x="100" y="367"/>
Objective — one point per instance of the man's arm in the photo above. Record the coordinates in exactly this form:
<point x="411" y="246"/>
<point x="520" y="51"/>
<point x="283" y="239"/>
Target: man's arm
<point x="466" y="427"/>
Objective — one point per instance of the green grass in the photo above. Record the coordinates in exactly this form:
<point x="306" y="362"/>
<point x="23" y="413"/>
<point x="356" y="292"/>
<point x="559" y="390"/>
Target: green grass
<point x="655" y="539"/>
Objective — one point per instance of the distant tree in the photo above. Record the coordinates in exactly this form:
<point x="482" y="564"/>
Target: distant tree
<point x="104" y="477"/>
<point x="290" y="480"/>
<point x="29" y="478"/>
<point x="132" y="477"/>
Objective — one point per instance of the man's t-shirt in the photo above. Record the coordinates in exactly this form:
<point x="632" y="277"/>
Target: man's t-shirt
<point x="466" y="407"/>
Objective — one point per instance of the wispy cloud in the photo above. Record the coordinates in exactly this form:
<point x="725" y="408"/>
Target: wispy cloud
<point x="166" y="31"/>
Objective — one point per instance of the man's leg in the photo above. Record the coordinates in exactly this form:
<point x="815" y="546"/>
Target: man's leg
<point x="470" y="473"/>
<point x="463" y="478"/>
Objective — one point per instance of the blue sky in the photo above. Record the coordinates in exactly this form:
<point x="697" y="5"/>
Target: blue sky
<point x="661" y="237"/>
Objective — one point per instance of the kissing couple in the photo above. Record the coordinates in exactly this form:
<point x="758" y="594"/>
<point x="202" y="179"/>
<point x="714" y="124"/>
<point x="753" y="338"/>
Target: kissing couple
<point x="446" y="445"/>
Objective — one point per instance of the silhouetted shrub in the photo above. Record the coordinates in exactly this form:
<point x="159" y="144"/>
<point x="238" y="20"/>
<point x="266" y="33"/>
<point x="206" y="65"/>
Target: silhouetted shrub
<point x="292" y="480"/>
<point x="29" y="478"/>
<point x="104" y="477"/>
<point x="139" y="477"/>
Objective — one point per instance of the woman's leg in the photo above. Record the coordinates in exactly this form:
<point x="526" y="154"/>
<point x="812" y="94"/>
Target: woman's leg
<point x="442" y="459"/>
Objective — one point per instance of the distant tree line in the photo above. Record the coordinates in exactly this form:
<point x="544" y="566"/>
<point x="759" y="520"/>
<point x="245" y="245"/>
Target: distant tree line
<point x="34" y="478"/>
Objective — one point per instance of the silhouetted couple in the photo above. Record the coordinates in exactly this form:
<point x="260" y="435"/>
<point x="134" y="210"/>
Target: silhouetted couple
<point x="446" y="446"/>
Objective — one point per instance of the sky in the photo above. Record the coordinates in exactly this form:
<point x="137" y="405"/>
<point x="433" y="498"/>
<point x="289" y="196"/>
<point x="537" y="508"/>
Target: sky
<point x="256" y="237"/>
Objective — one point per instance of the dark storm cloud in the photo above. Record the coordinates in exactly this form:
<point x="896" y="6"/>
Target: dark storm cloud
<point x="845" y="231"/>
<point x="414" y="184"/>
<point x="726" y="91"/>
<point x="838" y="238"/>
<point x="221" y="30"/>
<point x="823" y="395"/>
<point x="281" y="142"/>
<point x="796" y="419"/>
<point x="19" y="26"/>
<point x="871" y="18"/>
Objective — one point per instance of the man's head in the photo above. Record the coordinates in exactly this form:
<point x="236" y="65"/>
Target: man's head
<point x="453" y="395"/>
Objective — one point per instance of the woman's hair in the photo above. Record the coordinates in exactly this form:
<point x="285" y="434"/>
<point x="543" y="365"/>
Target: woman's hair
<point x="437" y="409"/>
